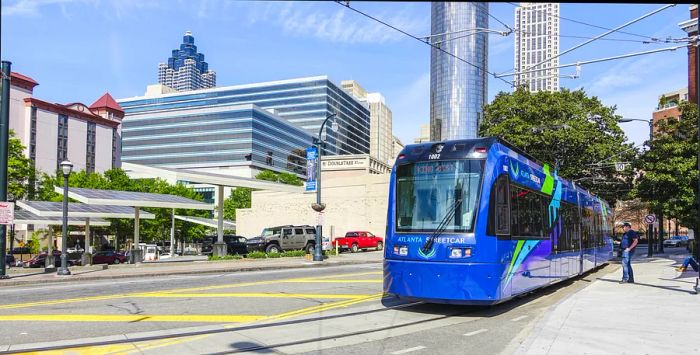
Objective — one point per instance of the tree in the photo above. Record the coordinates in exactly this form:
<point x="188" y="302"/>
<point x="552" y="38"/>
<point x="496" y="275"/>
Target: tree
<point x="241" y="197"/>
<point x="20" y="171"/>
<point x="669" y="173"/>
<point x="567" y="130"/>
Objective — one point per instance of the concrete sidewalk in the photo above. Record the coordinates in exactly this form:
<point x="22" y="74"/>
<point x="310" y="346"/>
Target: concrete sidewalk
<point x="19" y="276"/>
<point x="659" y="314"/>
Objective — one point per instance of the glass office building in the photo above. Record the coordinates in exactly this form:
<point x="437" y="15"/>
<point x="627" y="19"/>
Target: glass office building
<point x="458" y="91"/>
<point x="263" y="125"/>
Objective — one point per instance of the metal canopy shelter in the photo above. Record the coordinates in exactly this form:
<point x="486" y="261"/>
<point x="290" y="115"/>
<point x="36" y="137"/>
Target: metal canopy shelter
<point x="26" y="217"/>
<point x="136" y="200"/>
<point x="138" y="171"/>
<point x="47" y="209"/>
<point x="212" y="223"/>
<point x="80" y="210"/>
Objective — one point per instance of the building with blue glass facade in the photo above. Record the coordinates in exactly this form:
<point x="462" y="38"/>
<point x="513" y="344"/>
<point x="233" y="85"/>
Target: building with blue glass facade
<point x="186" y="69"/>
<point x="243" y="128"/>
<point x="458" y="91"/>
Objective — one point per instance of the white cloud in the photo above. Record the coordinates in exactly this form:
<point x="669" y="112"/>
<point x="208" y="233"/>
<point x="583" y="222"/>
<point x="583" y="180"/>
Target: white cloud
<point x="32" y="7"/>
<point x="339" y="26"/>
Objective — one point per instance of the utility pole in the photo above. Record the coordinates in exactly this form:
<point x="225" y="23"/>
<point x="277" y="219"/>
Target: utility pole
<point x="4" y="136"/>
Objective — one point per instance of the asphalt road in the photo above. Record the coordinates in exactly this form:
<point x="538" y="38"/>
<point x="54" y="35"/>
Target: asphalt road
<point x="331" y="310"/>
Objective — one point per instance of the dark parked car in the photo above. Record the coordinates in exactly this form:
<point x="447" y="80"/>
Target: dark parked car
<point x="39" y="260"/>
<point x="108" y="257"/>
<point x="235" y="244"/>
<point x="9" y="260"/>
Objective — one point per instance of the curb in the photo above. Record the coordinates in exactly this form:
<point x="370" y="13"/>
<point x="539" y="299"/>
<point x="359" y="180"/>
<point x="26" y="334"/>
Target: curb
<point x="11" y="282"/>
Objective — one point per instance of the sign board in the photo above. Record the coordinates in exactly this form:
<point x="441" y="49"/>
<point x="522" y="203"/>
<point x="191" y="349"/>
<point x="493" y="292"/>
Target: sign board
<point x="650" y="219"/>
<point x="311" y="162"/>
<point x="7" y="212"/>
<point x="345" y="164"/>
<point x="620" y="166"/>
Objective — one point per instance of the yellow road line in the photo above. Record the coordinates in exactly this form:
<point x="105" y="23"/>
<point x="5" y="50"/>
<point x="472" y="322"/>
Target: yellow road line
<point x="196" y="318"/>
<point x="334" y="281"/>
<point x="249" y="295"/>
<point x="203" y="288"/>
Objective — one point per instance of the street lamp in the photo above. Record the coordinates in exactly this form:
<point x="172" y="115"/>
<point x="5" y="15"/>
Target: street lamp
<point x="318" y="206"/>
<point x="66" y="168"/>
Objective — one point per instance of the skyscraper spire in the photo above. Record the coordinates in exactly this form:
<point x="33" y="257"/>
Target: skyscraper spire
<point x="186" y="68"/>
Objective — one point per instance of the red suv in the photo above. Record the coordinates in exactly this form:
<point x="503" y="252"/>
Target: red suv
<point x="108" y="257"/>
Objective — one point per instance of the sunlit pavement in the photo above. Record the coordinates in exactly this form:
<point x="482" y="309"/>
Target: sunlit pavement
<point x="325" y="310"/>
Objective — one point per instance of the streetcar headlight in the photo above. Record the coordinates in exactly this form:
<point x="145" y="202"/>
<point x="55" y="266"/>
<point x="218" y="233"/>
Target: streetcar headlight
<point x="455" y="253"/>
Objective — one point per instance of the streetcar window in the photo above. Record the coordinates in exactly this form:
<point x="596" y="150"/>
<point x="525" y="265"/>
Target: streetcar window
<point x="500" y="222"/>
<point x="427" y="192"/>
<point x="528" y="210"/>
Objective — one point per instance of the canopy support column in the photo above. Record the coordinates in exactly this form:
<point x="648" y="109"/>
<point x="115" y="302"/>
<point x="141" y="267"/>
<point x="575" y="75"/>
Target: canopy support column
<point x="136" y="252"/>
<point x="87" y="256"/>
<point x="220" y="246"/>
<point x="172" y="234"/>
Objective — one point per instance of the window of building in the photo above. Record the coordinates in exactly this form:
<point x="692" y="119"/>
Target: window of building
<point x="90" y="147"/>
<point x="62" y="140"/>
<point x="114" y="148"/>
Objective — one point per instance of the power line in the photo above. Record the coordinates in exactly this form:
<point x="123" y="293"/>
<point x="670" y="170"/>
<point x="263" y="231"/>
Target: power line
<point x="601" y="35"/>
<point x="347" y="5"/>
<point x="602" y="39"/>
<point x="591" y="25"/>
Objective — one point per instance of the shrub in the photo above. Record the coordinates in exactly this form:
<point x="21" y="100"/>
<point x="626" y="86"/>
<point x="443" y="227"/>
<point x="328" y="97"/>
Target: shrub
<point x="293" y="253"/>
<point x="274" y="255"/>
<point x="225" y="257"/>
<point x="257" y="255"/>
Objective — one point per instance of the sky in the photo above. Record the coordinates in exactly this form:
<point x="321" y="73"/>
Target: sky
<point x="79" y="49"/>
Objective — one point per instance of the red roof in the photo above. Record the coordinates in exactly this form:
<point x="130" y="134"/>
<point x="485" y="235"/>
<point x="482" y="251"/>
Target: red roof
<point x="23" y="81"/>
<point x="106" y="101"/>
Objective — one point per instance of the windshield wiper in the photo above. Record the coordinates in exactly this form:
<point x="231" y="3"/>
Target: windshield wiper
<point x="442" y="226"/>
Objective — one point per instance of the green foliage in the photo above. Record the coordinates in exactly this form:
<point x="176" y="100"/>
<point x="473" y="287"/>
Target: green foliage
<point x="20" y="171"/>
<point x="225" y="257"/>
<point x="274" y="255"/>
<point x="285" y="178"/>
<point x="669" y="177"/>
<point x="257" y="255"/>
<point x="568" y="129"/>
<point x="34" y="243"/>
<point x="241" y="197"/>
<point x="293" y="253"/>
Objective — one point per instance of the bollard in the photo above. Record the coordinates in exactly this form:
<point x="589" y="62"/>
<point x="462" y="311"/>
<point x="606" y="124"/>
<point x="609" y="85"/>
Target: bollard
<point x="336" y="247"/>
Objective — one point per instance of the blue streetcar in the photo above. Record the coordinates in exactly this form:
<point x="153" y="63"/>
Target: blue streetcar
<point x="478" y="222"/>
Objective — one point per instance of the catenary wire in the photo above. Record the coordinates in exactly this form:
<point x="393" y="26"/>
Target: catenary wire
<point x="592" y="25"/>
<point x="347" y="5"/>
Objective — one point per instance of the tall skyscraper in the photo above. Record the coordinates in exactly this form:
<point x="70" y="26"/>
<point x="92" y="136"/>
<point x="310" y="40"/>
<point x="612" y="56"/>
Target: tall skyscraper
<point x="537" y="40"/>
<point x="186" y="69"/>
<point x="380" y="137"/>
<point x="457" y="89"/>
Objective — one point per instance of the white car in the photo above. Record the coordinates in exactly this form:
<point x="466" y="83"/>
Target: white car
<point x="326" y="245"/>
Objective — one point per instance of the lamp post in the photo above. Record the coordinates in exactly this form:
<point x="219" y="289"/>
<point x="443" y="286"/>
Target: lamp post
<point x="66" y="168"/>
<point x="318" y="206"/>
<point x="4" y="136"/>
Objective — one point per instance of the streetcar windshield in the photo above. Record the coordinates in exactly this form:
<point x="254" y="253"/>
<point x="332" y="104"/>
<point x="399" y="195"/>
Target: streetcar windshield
<point x="426" y="192"/>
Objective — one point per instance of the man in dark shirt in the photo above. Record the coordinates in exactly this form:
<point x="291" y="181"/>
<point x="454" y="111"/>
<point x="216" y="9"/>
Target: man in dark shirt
<point x="629" y="242"/>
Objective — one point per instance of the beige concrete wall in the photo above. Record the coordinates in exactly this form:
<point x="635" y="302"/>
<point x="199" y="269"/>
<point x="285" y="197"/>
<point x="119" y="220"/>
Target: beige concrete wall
<point x="352" y="203"/>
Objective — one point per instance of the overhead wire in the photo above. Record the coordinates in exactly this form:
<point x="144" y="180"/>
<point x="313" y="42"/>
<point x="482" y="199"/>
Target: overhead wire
<point x="347" y="5"/>
<point x="591" y="25"/>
